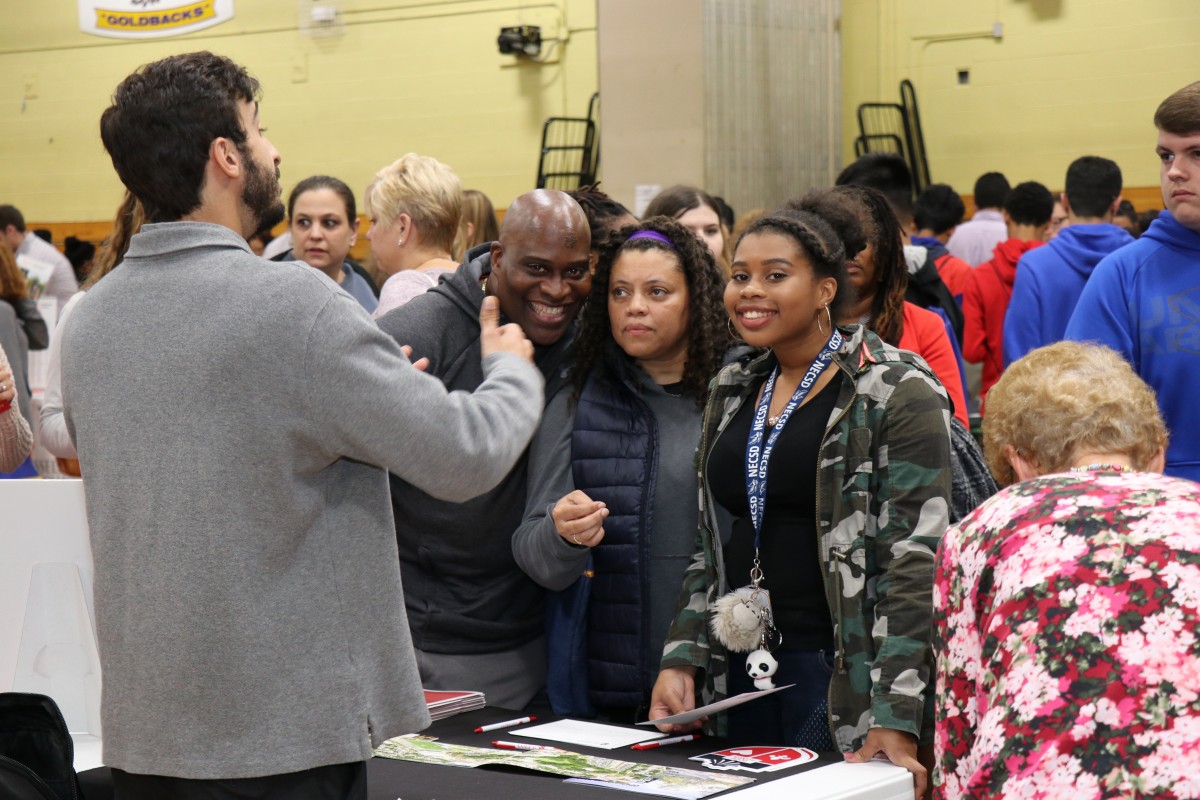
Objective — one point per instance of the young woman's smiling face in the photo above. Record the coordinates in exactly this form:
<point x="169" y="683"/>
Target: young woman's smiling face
<point x="773" y="297"/>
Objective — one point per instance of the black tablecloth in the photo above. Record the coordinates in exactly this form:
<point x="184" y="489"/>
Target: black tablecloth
<point x="409" y="780"/>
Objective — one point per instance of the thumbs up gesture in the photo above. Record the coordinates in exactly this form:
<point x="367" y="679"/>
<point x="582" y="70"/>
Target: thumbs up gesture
<point x="497" y="338"/>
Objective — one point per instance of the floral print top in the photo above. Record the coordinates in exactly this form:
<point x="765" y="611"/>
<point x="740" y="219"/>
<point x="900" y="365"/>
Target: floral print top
<point x="1067" y="621"/>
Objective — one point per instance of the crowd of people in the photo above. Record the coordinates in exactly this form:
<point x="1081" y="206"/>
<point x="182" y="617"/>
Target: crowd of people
<point x="531" y="458"/>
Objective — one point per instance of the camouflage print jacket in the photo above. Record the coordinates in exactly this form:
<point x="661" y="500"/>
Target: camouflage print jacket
<point x="884" y="483"/>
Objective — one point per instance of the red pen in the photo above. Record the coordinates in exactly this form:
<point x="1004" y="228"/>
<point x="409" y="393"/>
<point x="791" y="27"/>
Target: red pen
<point x="495" y="726"/>
<point x="691" y="737"/>
<point x="522" y="746"/>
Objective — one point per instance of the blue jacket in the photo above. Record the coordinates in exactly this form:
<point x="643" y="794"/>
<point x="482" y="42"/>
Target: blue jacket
<point x="614" y="446"/>
<point x="1144" y="302"/>
<point x="1049" y="282"/>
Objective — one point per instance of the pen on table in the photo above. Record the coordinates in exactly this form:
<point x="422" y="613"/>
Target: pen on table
<point x="522" y="746"/>
<point x="691" y="737"/>
<point x="495" y="726"/>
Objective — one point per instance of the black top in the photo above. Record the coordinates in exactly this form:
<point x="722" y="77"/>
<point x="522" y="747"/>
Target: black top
<point x="788" y="550"/>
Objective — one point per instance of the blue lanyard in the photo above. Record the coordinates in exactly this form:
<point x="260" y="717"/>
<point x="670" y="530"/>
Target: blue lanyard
<point x="758" y="454"/>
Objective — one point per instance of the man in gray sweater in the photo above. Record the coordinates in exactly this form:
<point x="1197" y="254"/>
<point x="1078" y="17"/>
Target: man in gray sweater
<point x="235" y="421"/>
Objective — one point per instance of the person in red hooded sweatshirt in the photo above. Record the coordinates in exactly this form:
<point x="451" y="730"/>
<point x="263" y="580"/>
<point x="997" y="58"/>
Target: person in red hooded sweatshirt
<point x="1027" y="211"/>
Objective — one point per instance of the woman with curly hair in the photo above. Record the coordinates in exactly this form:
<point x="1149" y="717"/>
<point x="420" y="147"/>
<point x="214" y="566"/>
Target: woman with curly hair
<point x="831" y="559"/>
<point x="611" y="470"/>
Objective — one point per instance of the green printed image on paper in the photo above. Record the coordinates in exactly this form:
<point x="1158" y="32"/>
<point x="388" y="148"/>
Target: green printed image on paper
<point x="654" y="779"/>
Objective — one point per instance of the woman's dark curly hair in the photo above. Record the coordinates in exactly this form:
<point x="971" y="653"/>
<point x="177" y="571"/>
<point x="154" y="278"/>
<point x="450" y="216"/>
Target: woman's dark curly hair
<point x="861" y="216"/>
<point x="819" y="244"/>
<point x="707" y="330"/>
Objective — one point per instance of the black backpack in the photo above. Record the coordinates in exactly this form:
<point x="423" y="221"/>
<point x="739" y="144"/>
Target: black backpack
<point x="36" y="752"/>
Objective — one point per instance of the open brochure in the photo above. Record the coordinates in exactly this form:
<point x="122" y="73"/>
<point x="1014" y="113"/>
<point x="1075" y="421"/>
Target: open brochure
<point x="686" y="784"/>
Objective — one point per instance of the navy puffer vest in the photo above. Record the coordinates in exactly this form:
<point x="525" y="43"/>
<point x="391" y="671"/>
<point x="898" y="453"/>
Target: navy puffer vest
<point x="614" y="454"/>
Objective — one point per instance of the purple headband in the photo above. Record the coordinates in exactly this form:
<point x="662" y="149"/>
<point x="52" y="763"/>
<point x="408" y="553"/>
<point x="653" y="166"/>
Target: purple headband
<point x="648" y="234"/>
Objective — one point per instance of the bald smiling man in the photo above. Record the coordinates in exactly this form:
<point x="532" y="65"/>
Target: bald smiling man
<point x="475" y="617"/>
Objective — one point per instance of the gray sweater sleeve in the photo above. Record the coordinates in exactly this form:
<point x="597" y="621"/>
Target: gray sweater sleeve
<point x="538" y="549"/>
<point x="374" y="406"/>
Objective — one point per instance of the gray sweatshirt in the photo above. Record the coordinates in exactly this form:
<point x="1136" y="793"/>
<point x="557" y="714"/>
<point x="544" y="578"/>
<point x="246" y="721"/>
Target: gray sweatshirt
<point x="235" y="420"/>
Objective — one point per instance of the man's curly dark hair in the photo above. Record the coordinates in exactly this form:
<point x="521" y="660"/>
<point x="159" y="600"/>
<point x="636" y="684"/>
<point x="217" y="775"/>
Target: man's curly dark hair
<point x="708" y="331"/>
<point x="162" y="120"/>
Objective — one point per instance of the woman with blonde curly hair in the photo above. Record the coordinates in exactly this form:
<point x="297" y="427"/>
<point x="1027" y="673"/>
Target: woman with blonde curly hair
<point x="1067" y="603"/>
<point x="415" y="205"/>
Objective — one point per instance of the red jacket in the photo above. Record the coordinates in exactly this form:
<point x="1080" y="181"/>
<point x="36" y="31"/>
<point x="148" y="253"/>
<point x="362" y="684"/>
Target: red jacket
<point x="955" y="273"/>
<point x="925" y="334"/>
<point x="984" y="303"/>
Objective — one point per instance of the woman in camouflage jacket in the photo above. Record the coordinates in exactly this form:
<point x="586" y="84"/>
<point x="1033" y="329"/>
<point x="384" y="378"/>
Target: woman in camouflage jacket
<point x="882" y="506"/>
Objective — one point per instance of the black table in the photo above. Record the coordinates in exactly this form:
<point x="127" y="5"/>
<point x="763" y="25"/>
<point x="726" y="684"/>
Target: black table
<point x="409" y="780"/>
<point x="389" y="780"/>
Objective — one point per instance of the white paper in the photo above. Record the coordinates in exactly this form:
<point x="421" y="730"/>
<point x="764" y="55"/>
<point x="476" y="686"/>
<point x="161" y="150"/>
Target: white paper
<point x="587" y="734"/>
<point x="713" y="708"/>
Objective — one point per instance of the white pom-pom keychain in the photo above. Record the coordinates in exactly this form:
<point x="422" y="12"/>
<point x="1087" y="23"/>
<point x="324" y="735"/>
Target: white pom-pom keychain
<point x="740" y="618"/>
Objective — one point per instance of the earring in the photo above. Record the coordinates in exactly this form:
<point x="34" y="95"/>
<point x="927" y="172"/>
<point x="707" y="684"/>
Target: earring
<point x="733" y="334"/>
<point x="819" y="328"/>
<point x="400" y="243"/>
<point x="829" y="316"/>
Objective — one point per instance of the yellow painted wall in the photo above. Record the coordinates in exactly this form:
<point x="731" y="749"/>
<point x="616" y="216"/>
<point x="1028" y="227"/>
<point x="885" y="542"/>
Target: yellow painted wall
<point x="1067" y="78"/>
<point x="424" y="76"/>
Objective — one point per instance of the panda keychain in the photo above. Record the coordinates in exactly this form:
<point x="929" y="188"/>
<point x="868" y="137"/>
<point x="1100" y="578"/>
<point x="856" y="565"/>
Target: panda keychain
<point x="761" y="665"/>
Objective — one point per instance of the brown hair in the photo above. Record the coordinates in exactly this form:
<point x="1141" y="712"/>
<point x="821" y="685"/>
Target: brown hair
<point x="1180" y="113"/>
<point x="476" y="209"/>
<point x="861" y="216"/>
<point x="12" y="281"/>
<point x="1067" y="399"/>
<point x="677" y="200"/>
<point x="129" y="220"/>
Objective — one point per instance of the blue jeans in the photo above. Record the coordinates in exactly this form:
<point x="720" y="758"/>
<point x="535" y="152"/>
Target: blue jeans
<point x="795" y="717"/>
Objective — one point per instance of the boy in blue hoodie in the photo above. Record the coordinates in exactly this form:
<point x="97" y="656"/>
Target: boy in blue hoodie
<point x="1144" y="300"/>
<point x="1050" y="279"/>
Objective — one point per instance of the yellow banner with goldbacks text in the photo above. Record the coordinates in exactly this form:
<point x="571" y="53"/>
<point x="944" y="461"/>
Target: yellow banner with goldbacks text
<point x="147" y="19"/>
<point x="158" y="20"/>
